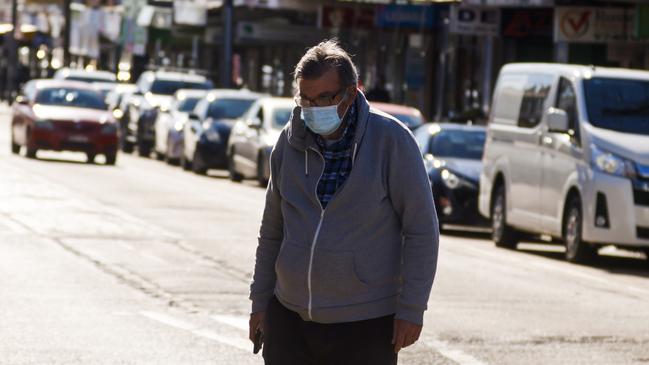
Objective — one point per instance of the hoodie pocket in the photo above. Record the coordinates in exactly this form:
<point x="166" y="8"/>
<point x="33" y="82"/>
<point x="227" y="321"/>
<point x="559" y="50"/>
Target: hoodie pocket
<point x="291" y="267"/>
<point x="379" y="266"/>
<point x="334" y="280"/>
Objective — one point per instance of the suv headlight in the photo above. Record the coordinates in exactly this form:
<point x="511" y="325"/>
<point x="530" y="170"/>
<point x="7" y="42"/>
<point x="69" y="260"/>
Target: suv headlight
<point x="451" y="180"/>
<point x="610" y="163"/>
<point x="44" y="124"/>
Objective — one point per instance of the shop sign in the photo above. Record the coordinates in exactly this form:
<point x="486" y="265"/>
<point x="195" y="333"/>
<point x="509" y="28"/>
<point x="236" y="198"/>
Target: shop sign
<point x="406" y="16"/>
<point x="347" y="17"/>
<point x="508" y="2"/>
<point x="521" y="23"/>
<point x="193" y="13"/>
<point x="471" y="20"/>
<point x="277" y="33"/>
<point x="594" y="25"/>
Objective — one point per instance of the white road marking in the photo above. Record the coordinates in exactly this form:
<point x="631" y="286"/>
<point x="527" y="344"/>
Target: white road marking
<point x="240" y="343"/>
<point x="232" y="321"/>
<point x="14" y="227"/>
<point x="454" y="354"/>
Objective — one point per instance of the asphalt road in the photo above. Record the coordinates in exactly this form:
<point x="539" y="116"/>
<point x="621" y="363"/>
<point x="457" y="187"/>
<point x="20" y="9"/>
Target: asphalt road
<point x="142" y="263"/>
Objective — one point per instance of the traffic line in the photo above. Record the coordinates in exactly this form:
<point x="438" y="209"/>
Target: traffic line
<point x="240" y="343"/>
<point x="14" y="226"/>
<point x="238" y="322"/>
<point x="453" y="354"/>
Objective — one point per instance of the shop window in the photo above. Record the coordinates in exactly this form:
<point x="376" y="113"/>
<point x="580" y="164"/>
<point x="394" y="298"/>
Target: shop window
<point x="535" y="93"/>
<point x="566" y="101"/>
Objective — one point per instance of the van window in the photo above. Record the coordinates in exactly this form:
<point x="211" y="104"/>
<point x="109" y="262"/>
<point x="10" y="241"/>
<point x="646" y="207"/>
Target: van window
<point x="567" y="102"/>
<point x="537" y="88"/>
<point x="507" y="100"/>
<point x="618" y="104"/>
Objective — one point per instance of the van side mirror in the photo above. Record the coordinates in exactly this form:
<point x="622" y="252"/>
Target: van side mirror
<point x="194" y="116"/>
<point x="255" y="123"/>
<point x="21" y="99"/>
<point x="557" y="120"/>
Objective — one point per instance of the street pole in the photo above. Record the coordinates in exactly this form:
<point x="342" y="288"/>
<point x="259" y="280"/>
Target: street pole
<point x="226" y="62"/>
<point x="67" y="14"/>
<point x="12" y="54"/>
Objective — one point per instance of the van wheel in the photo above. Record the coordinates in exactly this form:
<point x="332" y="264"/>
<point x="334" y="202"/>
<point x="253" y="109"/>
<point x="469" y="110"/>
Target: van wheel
<point x="90" y="158"/>
<point x="502" y="234"/>
<point x="577" y="250"/>
<point x="184" y="162"/>
<point x="15" y="147"/>
<point x="198" y="165"/>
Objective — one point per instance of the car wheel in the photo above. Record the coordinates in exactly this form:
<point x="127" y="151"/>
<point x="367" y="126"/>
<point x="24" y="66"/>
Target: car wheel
<point x="15" y="147"/>
<point x="234" y="175"/>
<point x="159" y="156"/>
<point x="184" y="162"/>
<point x="501" y="233"/>
<point x="198" y="165"/>
<point x="167" y="158"/>
<point x="261" y="171"/>
<point x="31" y="152"/>
<point x="111" y="158"/>
<point x="90" y="157"/>
<point x="576" y="249"/>
<point x="143" y="150"/>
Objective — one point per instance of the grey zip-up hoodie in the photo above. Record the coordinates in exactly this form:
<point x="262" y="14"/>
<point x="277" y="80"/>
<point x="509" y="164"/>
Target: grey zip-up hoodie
<point x="372" y="252"/>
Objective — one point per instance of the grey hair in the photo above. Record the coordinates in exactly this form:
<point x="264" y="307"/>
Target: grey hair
<point x="321" y="58"/>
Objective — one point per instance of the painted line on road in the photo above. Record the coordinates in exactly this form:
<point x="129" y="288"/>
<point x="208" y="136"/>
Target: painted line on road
<point x="236" y="342"/>
<point x="453" y="354"/>
<point x="14" y="226"/>
<point x="238" y="322"/>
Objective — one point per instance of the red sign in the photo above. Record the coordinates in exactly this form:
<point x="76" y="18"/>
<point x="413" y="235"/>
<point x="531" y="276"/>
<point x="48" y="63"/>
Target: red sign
<point x="520" y="23"/>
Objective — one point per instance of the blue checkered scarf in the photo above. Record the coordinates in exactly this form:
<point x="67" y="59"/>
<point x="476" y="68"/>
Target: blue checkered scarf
<point x="338" y="159"/>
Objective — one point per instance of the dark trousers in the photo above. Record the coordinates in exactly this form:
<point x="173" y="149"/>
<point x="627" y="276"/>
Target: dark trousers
<point x="288" y="340"/>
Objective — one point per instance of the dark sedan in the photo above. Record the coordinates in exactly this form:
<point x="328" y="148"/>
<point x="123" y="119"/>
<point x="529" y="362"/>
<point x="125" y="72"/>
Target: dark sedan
<point x="452" y="154"/>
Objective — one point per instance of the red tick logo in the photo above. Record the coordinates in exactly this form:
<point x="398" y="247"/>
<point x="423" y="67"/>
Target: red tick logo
<point x="575" y="24"/>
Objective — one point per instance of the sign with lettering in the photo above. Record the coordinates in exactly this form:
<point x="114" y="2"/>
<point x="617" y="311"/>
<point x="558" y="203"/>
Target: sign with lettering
<point x="594" y="25"/>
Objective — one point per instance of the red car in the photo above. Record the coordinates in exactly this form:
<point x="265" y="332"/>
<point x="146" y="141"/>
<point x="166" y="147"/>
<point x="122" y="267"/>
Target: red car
<point x="63" y="115"/>
<point x="408" y="115"/>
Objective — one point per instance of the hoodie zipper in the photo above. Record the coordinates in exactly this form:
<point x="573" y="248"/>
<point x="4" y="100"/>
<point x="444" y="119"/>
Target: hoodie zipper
<point x="315" y="238"/>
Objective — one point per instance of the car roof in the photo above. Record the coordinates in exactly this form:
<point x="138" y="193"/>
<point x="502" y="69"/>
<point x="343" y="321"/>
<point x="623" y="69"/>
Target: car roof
<point x="583" y="71"/>
<point x="395" y="108"/>
<point x="434" y="128"/>
<point x="191" y="93"/>
<point x="175" y="76"/>
<point x="67" y="72"/>
<point x="232" y="93"/>
<point x="275" y="102"/>
<point x="52" y="83"/>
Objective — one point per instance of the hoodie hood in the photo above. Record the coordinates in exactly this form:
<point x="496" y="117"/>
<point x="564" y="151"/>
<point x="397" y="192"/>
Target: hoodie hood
<point x="631" y="146"/>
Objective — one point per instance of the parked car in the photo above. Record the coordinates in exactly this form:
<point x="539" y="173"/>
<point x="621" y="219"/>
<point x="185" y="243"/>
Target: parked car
<point x="567" y="155"/>
<point x="155" y="89"/>
<point x="169" y="124"/>
<point x="206" y="133"/>
<point x="115" y="96"/>
<point x="63" y="116"/>
<point x="254" y="136"/>
<point x="452" y="154"/>
<point x="407" y="115"/>
<point x="104" y="88"/>
<point x="90" y="76"/>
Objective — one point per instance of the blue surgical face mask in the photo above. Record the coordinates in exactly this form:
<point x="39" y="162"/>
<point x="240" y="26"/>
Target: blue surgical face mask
<point x="322" y="120"/>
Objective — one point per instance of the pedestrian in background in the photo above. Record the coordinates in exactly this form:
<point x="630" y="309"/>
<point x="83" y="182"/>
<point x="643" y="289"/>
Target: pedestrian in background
<point x="349" y="236"/>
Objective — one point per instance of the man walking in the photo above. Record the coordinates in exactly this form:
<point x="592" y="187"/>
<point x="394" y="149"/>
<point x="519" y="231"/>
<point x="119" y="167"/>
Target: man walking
<point x="349" y="237"/>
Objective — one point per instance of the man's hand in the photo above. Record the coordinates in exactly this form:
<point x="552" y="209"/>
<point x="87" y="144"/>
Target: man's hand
<point x="256" y="322"/>
<point x="405" y="334"/>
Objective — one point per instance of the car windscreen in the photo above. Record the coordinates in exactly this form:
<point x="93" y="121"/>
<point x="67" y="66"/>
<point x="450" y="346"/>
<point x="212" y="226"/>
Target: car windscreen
<point x="228" y="108"/>
<point x="71" y="97"/>
<point x="457" y="144"/>
<point x="618" y="104"/>
<point x="281" y="116"/>
<point x="169" y="87"/>
<point x="187" y="105"/>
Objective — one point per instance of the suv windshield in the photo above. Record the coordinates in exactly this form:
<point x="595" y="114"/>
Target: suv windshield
<point x="228" y="108"/>
<point x="458" y="144"/>
<point x="78" y="98"/>
<point x="281" y="116"/>
<point x="187" y="105"/>
<point x="618" y="104"/>
<point x="169" y="87"/>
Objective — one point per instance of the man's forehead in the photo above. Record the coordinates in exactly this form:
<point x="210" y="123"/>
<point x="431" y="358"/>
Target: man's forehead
<point x="328" y="83"/>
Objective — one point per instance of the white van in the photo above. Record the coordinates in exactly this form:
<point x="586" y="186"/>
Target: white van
<point x="567" y="155"/>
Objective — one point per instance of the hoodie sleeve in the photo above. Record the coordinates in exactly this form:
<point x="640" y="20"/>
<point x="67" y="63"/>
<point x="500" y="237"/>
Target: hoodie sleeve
<point x="270" y="237"/>
<point x="411" y="195"/>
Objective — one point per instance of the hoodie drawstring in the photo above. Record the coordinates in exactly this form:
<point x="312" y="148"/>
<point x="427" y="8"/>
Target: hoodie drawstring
<point x="306" y="163"/>
<point x="354" y="153"/>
